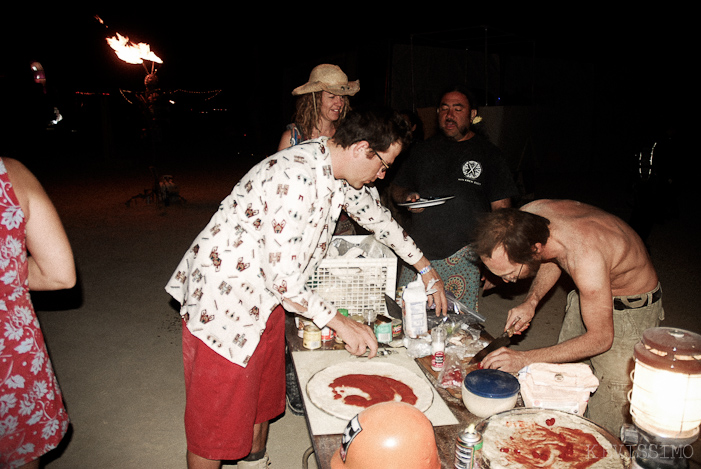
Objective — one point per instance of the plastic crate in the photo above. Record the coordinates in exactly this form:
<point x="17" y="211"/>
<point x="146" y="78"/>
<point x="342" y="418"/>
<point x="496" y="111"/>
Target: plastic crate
<point x="357" y="284"/>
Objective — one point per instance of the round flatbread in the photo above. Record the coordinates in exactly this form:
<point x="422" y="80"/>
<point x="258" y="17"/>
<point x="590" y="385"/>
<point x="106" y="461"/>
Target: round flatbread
<point x="345" y="389"/>
<point x="531" y="438"/>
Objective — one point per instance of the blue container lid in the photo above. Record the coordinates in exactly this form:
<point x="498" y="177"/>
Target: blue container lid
<point x="491" y="383"/>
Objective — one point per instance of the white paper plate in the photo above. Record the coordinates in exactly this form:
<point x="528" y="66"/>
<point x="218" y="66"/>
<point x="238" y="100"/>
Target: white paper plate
<point x="422" y="203"/>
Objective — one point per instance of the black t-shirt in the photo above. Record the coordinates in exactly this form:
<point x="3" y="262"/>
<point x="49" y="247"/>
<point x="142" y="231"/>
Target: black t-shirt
<point x="473" y="171"/>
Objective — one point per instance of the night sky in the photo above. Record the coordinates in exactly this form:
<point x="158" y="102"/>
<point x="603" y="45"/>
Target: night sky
<point x="256" y="60"/>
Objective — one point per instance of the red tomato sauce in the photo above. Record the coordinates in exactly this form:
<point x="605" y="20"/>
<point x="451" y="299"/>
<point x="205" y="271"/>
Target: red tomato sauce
<point x="378" y="388"/>
<point x="538" y="446"/>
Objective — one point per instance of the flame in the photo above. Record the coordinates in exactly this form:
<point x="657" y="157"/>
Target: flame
<point x="130" y="52"/>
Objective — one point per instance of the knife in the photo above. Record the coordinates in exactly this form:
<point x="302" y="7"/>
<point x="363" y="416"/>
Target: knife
<point x="503" y="340"/>
<point x="393" y="309"/>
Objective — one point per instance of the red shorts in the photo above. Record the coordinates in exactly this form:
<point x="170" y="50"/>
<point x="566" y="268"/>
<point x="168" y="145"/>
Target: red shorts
<point x="225" y="400"/>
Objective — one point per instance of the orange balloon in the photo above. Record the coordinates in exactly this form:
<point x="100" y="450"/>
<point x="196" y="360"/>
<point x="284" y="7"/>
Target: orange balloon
<point x="389" y="435"/>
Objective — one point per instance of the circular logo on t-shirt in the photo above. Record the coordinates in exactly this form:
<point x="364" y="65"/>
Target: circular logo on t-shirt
<point x="472" y="169"/>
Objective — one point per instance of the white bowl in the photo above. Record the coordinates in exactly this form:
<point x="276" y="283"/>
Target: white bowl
<point x="488" y="392"/>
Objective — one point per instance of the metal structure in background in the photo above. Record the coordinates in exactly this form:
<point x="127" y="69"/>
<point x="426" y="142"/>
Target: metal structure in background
<point x="474" y="52"/>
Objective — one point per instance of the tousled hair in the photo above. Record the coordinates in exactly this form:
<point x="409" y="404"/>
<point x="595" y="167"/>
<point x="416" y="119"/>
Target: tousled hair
<point x="516" y="230"/>
<point x="306" y="116"/>
<point x="379" y="126"/>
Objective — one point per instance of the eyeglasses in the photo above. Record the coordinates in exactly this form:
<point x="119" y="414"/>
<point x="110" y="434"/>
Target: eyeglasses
<point x="514" y="280"/>
<point x="382" y="161"/>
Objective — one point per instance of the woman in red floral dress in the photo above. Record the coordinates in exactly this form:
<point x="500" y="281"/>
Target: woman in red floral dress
<point x="34" y="255"/>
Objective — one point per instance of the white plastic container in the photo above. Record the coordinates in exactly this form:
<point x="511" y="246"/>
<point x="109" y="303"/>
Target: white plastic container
<point x="488" y="392"/>
<point x="414" y="302"/>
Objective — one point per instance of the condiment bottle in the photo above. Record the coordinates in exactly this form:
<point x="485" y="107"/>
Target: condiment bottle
<point x="369" y="316"/>
<point x="438" y="336"/>
<point x="468" y="448"/>
<point x="326" y="334"/>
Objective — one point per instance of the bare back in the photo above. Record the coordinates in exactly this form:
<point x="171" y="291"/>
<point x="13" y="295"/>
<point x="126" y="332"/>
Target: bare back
<point x="586" y="239"/>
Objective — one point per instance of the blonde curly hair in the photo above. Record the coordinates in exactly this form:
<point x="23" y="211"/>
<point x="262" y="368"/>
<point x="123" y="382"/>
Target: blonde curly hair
<point x="306" y="116"/>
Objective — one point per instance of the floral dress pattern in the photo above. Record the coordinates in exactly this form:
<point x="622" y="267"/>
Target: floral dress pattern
<point x="33" y="419"/>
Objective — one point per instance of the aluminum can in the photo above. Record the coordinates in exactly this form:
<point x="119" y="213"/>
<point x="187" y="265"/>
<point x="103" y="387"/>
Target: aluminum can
<point x="312" y="337"/>
<point x="468" y="449"/>
<point x="383" y="331"/>
<point x="396" y="328"/>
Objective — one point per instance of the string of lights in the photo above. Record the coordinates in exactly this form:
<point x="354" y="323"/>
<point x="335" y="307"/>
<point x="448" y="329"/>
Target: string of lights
<point x="213" y="93"/>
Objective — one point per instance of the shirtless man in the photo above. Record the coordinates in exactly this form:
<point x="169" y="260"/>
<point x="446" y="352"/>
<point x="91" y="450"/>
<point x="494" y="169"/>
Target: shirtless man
<point x="617" y="293"/>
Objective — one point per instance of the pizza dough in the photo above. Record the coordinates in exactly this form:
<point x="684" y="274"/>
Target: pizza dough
<point x="345" y="389"/>
<point x="530" y="438"/>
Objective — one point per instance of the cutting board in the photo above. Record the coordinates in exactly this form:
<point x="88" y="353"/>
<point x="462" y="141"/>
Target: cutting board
<point x="320" y="423"/>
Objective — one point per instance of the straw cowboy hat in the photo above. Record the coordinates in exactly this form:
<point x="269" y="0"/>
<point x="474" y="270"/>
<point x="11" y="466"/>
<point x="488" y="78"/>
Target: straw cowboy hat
<point x="329" y="78"/>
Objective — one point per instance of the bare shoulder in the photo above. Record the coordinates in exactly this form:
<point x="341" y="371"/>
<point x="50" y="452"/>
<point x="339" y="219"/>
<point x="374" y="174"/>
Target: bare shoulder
<point x="285" y="140"/>
<point x="18" y="172"/>
<point x="561" y="208"/>
<point x="26" y="186"/>
<point x="547" y="205"/>
<point x="13" y="166"/>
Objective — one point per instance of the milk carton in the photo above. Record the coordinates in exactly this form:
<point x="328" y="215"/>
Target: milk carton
<point x="414" y="302"/>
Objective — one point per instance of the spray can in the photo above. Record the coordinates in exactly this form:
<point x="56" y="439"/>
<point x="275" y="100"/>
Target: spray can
<point x="468" y="449"/>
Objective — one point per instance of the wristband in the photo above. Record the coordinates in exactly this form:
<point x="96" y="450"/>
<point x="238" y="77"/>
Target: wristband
<point x="426" y="269"/>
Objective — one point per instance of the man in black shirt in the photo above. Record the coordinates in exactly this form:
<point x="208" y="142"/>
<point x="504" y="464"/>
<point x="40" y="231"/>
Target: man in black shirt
<point x="456" y="162"/>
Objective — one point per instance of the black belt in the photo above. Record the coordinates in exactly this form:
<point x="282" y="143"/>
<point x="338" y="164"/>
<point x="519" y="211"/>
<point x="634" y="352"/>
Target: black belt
<point x="619" y="304"/>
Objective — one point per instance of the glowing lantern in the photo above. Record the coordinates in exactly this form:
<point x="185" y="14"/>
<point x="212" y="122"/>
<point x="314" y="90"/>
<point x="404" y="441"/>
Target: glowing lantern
<point x="666" y="395"/>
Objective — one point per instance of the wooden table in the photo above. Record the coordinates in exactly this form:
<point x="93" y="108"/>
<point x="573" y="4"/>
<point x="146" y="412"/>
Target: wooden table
<point x="446" y="435"/>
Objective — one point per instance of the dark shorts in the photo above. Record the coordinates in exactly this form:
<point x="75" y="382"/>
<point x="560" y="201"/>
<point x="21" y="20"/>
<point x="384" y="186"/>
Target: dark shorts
<point x="225" y="400"/>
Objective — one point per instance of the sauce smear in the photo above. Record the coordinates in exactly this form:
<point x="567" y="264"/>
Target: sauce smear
<point x="377" y="388"/>
<point x="538" y="446"/>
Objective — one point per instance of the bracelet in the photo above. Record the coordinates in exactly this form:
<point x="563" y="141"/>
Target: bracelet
<point x="426" y="269"/>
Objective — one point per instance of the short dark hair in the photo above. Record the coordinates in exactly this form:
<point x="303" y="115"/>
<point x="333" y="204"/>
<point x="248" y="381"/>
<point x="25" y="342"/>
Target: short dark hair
<point x="379" y="126"/>
<point x="516" y="230"/>
<point x="460" y="88"/>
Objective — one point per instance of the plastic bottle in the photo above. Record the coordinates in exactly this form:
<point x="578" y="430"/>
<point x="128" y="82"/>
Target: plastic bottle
<point x="438" y="336"/>
<point x="414" y="301"/>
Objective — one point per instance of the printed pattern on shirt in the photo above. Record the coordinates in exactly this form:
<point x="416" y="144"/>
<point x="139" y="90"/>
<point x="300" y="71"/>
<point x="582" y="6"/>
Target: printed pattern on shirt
<point x="264" y="242"/>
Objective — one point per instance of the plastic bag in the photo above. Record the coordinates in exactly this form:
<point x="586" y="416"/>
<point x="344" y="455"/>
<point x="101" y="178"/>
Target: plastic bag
<point x="452" y="374"/>
<point x="373" y="248"/>
<point x="457" y="308"/>
<point x="419" y="347"/>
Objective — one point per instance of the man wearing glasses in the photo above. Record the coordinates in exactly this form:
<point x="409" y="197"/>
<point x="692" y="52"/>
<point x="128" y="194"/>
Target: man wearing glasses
<point x="254" y="258"/>
<point x="617" y="293"/>
<point x="457" y="162"/>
